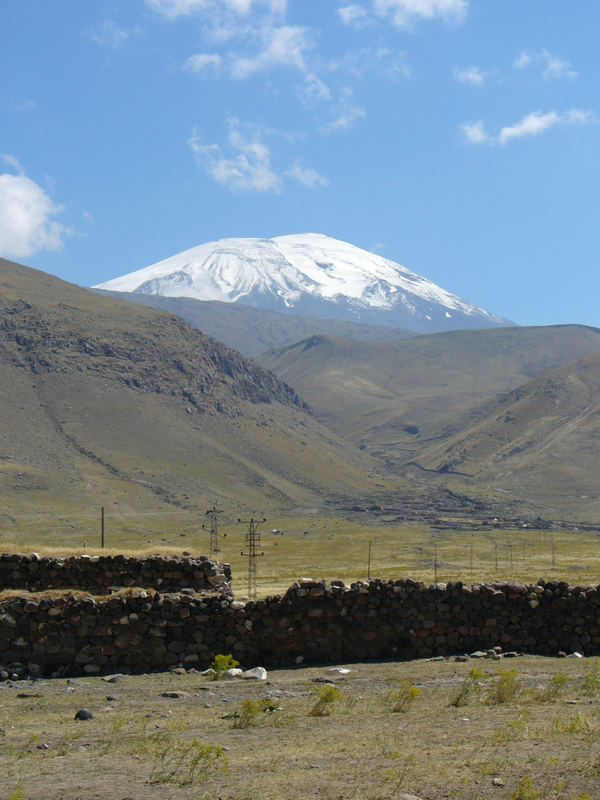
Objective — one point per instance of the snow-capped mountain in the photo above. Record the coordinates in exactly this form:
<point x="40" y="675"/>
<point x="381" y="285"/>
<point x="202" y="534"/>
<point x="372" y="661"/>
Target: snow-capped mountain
<point x="307" y="274"/>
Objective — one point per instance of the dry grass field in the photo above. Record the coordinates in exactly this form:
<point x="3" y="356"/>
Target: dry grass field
<point x="328" y="547"/>
<point x="535" y="731"/>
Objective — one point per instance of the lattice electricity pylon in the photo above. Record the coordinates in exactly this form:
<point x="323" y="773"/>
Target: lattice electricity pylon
<point x="213" y="545"/>
<point x="252" y="546"/>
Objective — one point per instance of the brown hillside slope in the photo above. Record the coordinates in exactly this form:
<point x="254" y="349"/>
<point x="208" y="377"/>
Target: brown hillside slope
<point x="103" y="402"/>
<point x="540" y="441"/>
<point x="396" y="399"/>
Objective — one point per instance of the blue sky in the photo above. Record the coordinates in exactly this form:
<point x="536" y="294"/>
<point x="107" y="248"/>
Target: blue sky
<point x="457" y="137"/>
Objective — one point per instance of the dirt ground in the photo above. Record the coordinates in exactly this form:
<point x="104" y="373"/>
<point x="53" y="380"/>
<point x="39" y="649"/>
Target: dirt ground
<point x="524" y="736"/>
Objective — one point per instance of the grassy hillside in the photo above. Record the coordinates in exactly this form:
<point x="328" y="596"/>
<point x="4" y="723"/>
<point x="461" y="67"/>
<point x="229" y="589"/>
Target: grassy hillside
<point x="103" y="402"/>
<point x="540" y="441"/>
<point x="396" y="399"/>
<point x="253" y="331"/>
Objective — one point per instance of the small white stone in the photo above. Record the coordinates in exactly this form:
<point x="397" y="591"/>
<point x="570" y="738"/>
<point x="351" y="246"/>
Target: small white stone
<point x="256" y="674"/>
<point x="234" y="673"/>
<point x="338" y="670"/>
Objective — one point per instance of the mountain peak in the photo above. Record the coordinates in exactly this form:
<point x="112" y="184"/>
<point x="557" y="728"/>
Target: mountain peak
<point x="309" y="274"/>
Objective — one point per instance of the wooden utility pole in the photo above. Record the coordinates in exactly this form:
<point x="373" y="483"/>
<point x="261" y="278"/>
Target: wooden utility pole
<point x="213" y="544"/>
<point x="252" y="546"/>
<point x="102" y="527"/>
<point x="369" y="562"/>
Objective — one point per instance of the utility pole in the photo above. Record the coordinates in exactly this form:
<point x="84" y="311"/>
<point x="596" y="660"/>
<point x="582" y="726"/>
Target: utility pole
<point x="102" y="527"/>
<point x="435" y="563"/>
<point x="496" y="553"/>
<point x="472" y="540"/>
<point x="553" y="552"/>
<point x="252" y="546"/>
<point x="369" y="562"/>
<point x="213" y="544"/>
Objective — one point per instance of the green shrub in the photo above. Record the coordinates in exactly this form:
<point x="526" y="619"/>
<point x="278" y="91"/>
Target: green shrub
<point x="326" y="697"/>
<point x="400" y="699"/>
<point x="526" y="790"/>
<point x="186" y="763"/>
<point x="591" y="680"/>
<point x="468" y="687"/>
<point x="553" y="689"/>
<point x="505" y="689"/>
<point x="249" y="713"/>
<point x="221" y="663"/>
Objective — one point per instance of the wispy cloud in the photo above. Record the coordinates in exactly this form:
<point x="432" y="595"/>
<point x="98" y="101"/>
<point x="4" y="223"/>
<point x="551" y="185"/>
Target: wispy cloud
<point x="530" y="126"/>
<point x="347" y="113"/>
<point x="314" y="90"/>
<point x="474" y="132"/>
<point x="353" y="15"/>
<point x="307" y="176"/>
<point x="27" y="215"/>
<point x="472" y="76"/>
<point x="248" y="165"/>
<point x="284" y="46"/>
<point x="110" y="34"/>
<point x="200" y="63"/>
<point x="404" y="12"/>
<point x="172" y="9"/>
<point x="553" y="67"/>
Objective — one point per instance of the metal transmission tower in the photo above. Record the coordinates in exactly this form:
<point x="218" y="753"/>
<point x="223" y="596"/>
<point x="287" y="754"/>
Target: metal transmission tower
<point x="252" y="546"/>
<point x="213" y="546"/>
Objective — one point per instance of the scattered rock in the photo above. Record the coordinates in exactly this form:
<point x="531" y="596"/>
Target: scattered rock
<point x="256" y="673"/>
<point x="339" y="670"/>
<point x="84" y="714"/>
<point x="234" y="673"/>
<point x="114" y="678"/>
<point x="575" y="655"/>
<point x="461" y="659"/>
<point x="479" y="654"/>
<point x="498" y="782"/>
<point x="175" y="695"/>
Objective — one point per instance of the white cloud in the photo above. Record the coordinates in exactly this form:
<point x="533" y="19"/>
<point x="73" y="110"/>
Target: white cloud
<point x="472" y="76"/>
<point x="284" y="46"/>
<point x="346" y="118"/>
<point x="531" y="125"/>
<point x="109" y="34"/>
<point x="535" y="123"/>
<point x="27" y="223"/>
<point x="248" y="168"/>
<point x="201" y="62"/>
<point x="524" y="59"/>
<point x="474" y="132"/>
<point x="353" y="14"/>
<point x="172" y="9"/>
<point x="403" y="12"/>
<point x="553" y="67"/>
<point x="314" y="90"/>
<point x="556" y="67"/>
<point x="307" y="176"/>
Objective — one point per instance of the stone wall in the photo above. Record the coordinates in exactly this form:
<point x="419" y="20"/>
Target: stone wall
<point x="312" y="622"/>
<point x="100" y="574"/>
